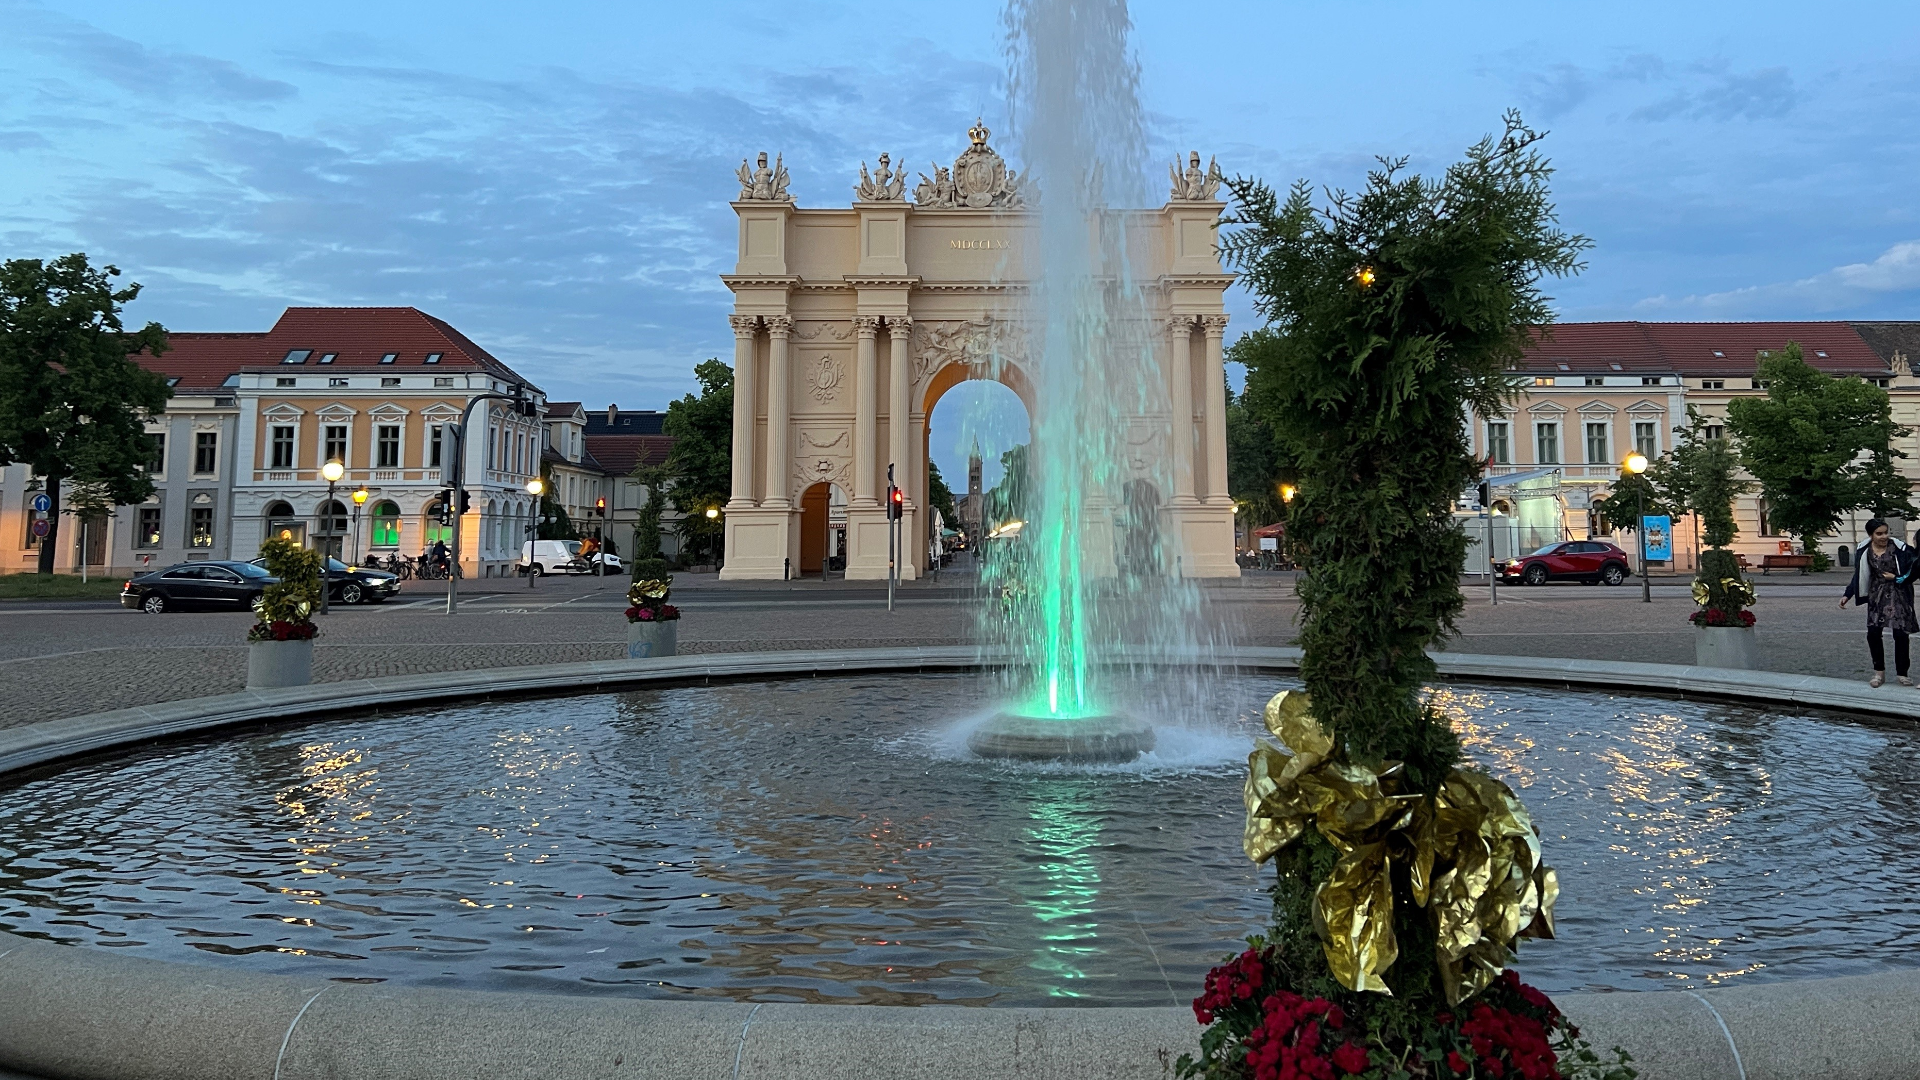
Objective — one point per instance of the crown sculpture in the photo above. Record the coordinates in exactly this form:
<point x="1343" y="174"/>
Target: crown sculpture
<point x="980" y="180"/>
<point x="762" y="184"/>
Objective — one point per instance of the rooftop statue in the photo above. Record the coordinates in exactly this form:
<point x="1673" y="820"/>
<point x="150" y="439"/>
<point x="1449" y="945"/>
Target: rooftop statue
<point x="764" y="184"/>
<point x="885" y="185"/>
<point x="1194" y="185"/>
<point x="980" y="179"/>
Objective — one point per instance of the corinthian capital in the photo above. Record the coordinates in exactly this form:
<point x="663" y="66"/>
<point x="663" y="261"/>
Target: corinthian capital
<point x="866" y="325"/>
<point x="779" y="325"/>
<point x="744" y="325"/>
<point x="898" y="325"/>
<point x="1180" y="324"/>
<point x="1214" y="325"/>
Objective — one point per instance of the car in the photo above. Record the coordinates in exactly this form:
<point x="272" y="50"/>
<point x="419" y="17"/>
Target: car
<point x="217" y="584"/>
<point x="355" y="584"/>
<point x="563" y="557"/>
<point x="1589" y="561"/>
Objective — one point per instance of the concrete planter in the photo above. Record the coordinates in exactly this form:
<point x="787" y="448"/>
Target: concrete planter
<point x="279" y="663"/>
<point x="648" y="639"/>
<point x="1725" y="647"/>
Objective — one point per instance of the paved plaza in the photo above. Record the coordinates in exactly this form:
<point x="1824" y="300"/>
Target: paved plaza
<point x="68" y="658"/>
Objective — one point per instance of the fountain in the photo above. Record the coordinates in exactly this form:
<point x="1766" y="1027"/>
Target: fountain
<point x="1077" y="120"/>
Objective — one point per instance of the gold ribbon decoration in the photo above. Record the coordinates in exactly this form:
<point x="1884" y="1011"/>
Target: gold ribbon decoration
<point x="1738" y="589"/>
<point x="649" y="589"/>
<point x="1472" y="854"/>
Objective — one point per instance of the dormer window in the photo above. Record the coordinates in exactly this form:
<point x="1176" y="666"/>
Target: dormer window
<point x="432" y="358"/>
<point x="327" y="358"/>
<point x="1819" y="354"/>
<point x="1719" y="354"/>
<point x="173" y="382"/>
<point x="297" y="356"/>
<point x="231" y="380"/>
<point x="388" y="358"/>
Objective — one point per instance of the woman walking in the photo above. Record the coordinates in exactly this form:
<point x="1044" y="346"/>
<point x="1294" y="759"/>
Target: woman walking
<point x="1883" y="581"/>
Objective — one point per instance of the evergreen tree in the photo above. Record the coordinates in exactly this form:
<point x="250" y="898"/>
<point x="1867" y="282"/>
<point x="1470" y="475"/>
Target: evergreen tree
<point x="940" y="496"/>
<point x="646" y="527"/>
<point x="1393" y="313"/>
<point x="701" y="462"/>
<point x="73" y="404"/>
<point x="1707" y="469"/>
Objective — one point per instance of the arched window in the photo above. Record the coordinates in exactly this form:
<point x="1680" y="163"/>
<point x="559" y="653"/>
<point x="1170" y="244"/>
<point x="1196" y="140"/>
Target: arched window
<point x="434" y="530"/>
<point x="386" y="525"/>
<point x="282" y="523"/>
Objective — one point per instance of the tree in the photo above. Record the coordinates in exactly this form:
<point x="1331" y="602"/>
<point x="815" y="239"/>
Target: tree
<point x="1707" y="468"/>
<point x="561" y="527"/>
<point x="1392" y="313"/>
<point x="1256" y="466"/>
<point x="939" y="495"/>
<point x="1007" y="500"/>
<point x="701" y="462"/>
<point x="1662" y="487"/>
<point x="1819" y="446"/>
<point x="73" y="404"/>
<point x="646" y="527"/>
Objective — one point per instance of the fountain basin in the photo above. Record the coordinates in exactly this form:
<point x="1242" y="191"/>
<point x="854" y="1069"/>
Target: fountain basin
<point x="1108" y="739"/>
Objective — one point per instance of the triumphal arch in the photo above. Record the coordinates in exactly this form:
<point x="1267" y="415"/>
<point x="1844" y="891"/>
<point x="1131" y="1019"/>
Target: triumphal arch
<point x="849" y="323"/>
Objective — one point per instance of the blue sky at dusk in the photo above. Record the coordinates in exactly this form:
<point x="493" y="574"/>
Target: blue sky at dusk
<point x="553" y="179"/>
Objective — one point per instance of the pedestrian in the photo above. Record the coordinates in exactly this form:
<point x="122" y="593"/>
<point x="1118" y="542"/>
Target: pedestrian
<point x="1883" y="581"/>
<point x="439" y="555"/>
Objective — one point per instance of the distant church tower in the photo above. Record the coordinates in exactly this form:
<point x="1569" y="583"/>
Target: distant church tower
<point x="976" y="509"/>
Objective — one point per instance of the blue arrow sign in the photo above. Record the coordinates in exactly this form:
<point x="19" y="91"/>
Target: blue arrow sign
<point x="42" y="504"/>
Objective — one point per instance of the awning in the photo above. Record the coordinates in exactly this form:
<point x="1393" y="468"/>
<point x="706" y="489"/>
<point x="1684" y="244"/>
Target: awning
<point x="1276" y="529"/>
<point x="1511" y="479"/>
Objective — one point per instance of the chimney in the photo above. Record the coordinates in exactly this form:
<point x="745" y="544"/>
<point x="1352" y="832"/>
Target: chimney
<point x="613" y="415"/>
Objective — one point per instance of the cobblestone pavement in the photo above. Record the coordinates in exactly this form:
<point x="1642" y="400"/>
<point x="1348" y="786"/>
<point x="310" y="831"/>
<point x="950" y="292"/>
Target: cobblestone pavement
<point x="72" y="658"/>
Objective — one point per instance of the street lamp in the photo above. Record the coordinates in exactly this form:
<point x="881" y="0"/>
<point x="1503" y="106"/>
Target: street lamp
<point x="359" y="500"/>
<point x="331" y="472"/>
<point x="1287" y="492"/>
<point x="713" y="513"/>
<point x="535" y="487"/>
<point x="1636" y="464"/>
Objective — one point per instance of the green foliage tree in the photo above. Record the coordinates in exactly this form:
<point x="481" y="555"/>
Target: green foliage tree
<point x="286" y="607"/>
<point x="1662" y="487"/>
<point x="561" y="527"/>
<point x="646" y="526"/>
<point x="73" y="403"/>
<point x="1819" y="446"/>
<point x="1256" y="462"/>
<point x="1008" y="499"/>
<point x="940" y="496"/>
<point x="1393" y="313"/>
<point x="701" y="462"/>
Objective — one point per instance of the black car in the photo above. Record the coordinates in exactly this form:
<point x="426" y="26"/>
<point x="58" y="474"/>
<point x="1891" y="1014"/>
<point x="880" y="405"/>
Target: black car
<point x="232" y="586"/>
<point x="355" y="584"/>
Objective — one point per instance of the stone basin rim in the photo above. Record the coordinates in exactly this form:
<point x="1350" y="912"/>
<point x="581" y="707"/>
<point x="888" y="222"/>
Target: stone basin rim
<point x="68" y="1013"/>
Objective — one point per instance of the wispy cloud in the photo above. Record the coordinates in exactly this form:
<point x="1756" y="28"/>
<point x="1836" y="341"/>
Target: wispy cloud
<point x="1653" y="89"/>
<point x="1839" y="291"/>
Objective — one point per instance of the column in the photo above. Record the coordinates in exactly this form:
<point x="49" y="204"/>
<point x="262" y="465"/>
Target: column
<point x="1181" y="327"/>
<point x="1213" y="383"/>
<point x="779" y="411"/>
<point x="744" y="328"/>
<point x="866" y="393"/>
<point x="899" y="403"/>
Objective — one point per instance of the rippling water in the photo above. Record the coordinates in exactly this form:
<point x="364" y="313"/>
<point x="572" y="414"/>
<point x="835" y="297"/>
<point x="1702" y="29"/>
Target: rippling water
<point x="827" y="841"/>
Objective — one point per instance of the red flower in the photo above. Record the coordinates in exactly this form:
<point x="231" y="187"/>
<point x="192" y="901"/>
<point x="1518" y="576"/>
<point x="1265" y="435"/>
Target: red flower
<point x="1235" y="981"/>
<point x="1351" y="1057"/>
<point x="1456" y="1062"/>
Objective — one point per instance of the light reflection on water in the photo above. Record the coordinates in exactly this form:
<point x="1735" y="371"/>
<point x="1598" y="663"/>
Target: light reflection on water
<point x="822" y="841"/>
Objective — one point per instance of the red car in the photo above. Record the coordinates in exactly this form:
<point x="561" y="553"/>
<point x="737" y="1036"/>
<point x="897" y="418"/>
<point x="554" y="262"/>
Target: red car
<point x="1571" y="560"/>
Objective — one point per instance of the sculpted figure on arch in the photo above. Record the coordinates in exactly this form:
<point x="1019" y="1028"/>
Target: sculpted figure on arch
<point x="763" y="184"/>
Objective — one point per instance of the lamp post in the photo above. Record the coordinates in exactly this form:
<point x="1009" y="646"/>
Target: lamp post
<point x="359" y="500"/>
<point x="713" y="514"/>
<point x="331" y="472"/>
<point x="535" y="487"/>
<point x="1636" y="464"/>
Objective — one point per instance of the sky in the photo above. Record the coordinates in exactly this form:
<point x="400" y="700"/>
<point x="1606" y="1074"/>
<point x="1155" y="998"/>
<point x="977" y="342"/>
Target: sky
<point x="553" y="179"/>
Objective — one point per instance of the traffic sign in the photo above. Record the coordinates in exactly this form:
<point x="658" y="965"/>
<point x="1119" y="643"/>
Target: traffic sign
<point x="42" y="504"/>
<point x="40" y="527"/>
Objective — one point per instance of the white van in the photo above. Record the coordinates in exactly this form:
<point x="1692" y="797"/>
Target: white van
<point x="563" y="557"/>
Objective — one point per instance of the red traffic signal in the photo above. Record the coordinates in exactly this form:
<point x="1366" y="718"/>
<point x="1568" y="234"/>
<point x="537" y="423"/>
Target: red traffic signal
<point x="600" y="504"/>
<point x="896" y="503"/>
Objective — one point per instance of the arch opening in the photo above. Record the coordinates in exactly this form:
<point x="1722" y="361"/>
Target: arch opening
<point x="978" y="425"/>
<point x="823" y="530"/>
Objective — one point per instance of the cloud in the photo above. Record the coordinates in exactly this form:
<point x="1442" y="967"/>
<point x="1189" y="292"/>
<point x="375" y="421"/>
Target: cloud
<point x="1704" y="90"/>
<point x="23" y="140"/>
<point x="1850" y="288"/>
<point x="1758" y="95"/>
<point x="140" y="68"/>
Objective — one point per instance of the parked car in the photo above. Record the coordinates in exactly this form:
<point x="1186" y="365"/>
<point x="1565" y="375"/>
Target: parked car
<point x="232" y="586"/>
<point x="1570" y="560"/>
<point x="563" y="557"/>
<point x="355" y="584"/>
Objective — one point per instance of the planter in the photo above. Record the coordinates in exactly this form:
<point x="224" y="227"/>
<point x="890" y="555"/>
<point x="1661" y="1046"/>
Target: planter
<point x="279" y="663"/>
<point x="645" y="639"/>
<point x="1725" y="647"/>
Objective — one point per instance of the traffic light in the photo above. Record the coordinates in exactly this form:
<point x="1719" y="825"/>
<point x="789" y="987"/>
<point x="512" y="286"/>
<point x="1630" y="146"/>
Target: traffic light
<point x="446" y="507"/>
<point x="600" y="506"/>
<point x="466" y="501"/>
<point x="1486" y="494"/>
<point x="896" y="503"/>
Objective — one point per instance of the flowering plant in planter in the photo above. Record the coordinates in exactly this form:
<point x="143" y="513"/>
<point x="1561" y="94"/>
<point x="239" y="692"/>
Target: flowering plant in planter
<point x="286" y="606"/>
<point x="647" y="596"/>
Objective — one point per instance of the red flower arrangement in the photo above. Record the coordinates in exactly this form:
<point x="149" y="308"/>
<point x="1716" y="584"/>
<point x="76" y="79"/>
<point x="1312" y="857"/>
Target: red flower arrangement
<point x="663" y="613"/>
<point x="1718" y="617"/>
<point x="282" y="631"/>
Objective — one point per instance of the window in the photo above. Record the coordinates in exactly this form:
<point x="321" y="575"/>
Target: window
<point x="336" y="382"/>
<point x="1766" y="519"/>
<point x="327" y="358"/>
<point x="1596" y="380"/>
<point x="433" y="447"/>
<point x="390" y="381"/>
<point x="1543" y="380"/>
<point x="1597" y="523"/>
<point x="387" y="447"/>
<point x="1646" y="439"/>
<point x="1597" y="445"/>
<point x="493" y="447"/>
<point x="282" y="447"/>
<point x="435" y="530"/>
<point x="149" y="534"/>
<point x="157" y="463"/>
<point x="1713" y="384"/>
<point x="432" y="358"/>
<point x="331" y="520"/>
<point x="200" y="527"/>
<point x="1881" y="383"/>
<point x="206" y="452"/>
<point x="336" y="444"/>
<point x="1716" y="432"/>
<point x="386" y="525"/>
<point x="443" y="381"/>
<point x="297" y="356"/>
<point x="388" y="358"/>
<point x="1546" y="441"/>
<point x="286" y="382"/>
<point x="1649" y="380"/>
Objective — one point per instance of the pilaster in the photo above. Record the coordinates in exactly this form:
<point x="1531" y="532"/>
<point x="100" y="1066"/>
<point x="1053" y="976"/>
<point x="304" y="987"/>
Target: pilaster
<point x="1180" y="329"/>
<point x="745" y="328"/>
<point x="779" y="413"/>
<point x="1213" y="383"/>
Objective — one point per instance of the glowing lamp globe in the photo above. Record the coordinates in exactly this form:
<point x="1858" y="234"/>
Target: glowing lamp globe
<point x="1636" y="463"/>
<point x="332" y="471"/>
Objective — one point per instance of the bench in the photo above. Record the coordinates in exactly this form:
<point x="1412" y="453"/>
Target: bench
<point x="1802" y="563"/>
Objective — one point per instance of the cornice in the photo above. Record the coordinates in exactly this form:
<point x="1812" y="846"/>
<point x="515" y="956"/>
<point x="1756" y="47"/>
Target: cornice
<point x="736" y="282"/>
<point x="881" y="281"/>
<point x="1190" y="280"/>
